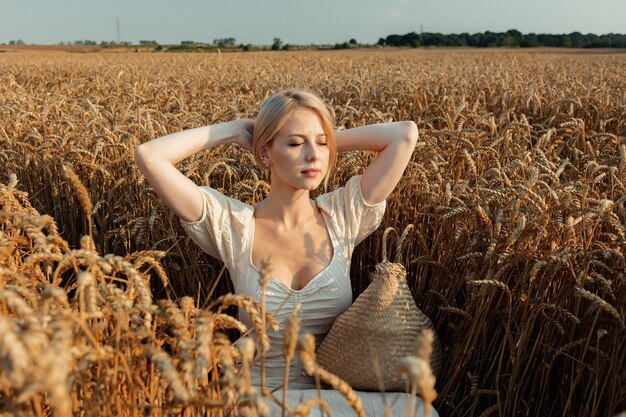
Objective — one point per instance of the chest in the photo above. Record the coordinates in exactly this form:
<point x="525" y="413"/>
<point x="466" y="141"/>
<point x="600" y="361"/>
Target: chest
<point x="296" y="257"/>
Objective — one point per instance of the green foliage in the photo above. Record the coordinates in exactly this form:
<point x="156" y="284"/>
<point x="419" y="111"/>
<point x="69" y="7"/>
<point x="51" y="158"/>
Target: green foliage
<point x="344" y="45"/>
<point x="223" y="42"/>
<point x="85" y="42"/>
<point x="277" y="44"/>
<point x="510" y="38"/>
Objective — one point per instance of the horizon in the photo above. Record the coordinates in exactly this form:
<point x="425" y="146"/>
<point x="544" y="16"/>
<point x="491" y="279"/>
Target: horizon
<point x="136" y="43"/>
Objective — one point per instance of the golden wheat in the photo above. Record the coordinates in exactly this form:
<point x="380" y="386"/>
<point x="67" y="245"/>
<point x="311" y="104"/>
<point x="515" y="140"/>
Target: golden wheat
<point x="518" y="184"/>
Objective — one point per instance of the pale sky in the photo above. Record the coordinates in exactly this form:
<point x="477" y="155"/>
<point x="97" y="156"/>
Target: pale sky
<point x="297" y="22"/>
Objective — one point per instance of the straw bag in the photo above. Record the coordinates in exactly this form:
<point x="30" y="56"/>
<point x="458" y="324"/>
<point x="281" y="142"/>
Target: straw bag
<point x="382" y="326"/>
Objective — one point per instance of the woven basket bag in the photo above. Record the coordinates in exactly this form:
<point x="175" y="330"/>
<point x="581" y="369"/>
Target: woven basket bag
<point x="382" y="326"/>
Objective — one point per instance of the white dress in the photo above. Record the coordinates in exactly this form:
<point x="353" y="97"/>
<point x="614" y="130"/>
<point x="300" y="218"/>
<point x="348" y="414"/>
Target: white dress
<point x="226" y="230"/>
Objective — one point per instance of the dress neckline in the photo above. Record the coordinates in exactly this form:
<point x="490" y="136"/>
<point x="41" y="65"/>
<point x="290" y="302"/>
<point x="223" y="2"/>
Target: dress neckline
<point x="273" y="279"/>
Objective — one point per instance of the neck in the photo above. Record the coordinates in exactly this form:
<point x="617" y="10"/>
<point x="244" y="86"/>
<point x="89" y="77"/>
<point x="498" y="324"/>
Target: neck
<point x="288" y="207"/>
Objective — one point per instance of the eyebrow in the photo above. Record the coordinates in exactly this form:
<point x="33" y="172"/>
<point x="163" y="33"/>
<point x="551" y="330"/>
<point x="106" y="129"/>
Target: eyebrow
<point x="304" y="136"/>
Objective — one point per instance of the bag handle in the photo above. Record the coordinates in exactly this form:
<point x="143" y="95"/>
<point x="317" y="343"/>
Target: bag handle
<point x="400" y="243"/>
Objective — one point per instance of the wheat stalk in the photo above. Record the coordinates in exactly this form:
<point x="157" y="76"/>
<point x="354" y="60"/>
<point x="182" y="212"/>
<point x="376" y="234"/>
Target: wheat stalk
<point x="306" y="351"/>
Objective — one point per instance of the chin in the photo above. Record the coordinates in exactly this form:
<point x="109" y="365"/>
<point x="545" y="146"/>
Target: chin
<point x="299" y="182"/>
<point x="310" y="184"/>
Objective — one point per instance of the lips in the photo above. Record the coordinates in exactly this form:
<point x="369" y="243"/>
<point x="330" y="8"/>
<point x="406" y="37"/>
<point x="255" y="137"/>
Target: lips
<point x="310" y="170"/>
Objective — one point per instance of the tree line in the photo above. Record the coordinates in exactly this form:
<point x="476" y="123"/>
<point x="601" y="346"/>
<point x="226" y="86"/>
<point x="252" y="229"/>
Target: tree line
<point x="511" y="38"/>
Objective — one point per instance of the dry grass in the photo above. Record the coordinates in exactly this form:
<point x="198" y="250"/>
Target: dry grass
<point x="517" y="193"/>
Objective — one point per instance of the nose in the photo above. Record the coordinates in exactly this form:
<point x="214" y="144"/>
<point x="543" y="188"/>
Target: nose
<point x="313" y="154"/>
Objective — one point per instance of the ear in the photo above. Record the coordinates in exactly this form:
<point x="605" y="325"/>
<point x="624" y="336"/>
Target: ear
<point x="265" y="157"/>
<point x="263" y="153"/>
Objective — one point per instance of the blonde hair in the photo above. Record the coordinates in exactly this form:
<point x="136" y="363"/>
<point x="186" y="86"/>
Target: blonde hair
<point x="274" y="113"/>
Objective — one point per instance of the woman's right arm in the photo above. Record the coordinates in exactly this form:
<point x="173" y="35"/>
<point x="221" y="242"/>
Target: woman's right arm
<point x="156" y="159"/>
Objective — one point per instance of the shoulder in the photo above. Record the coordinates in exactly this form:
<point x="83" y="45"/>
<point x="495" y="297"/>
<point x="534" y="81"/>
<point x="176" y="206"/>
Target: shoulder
<point x="352" y="215"/>
<point x="223" y="226"/>
<point x="217" y="205"/>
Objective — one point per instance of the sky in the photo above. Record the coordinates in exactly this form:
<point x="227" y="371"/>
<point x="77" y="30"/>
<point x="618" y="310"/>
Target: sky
<point x="297" y="22"/>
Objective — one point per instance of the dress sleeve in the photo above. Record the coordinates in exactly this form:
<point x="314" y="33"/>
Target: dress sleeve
<point x="360" y="218"/>
<point x="215" y="230"/>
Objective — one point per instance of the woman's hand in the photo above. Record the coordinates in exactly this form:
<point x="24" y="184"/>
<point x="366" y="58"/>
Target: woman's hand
<point x="245" y="130"/>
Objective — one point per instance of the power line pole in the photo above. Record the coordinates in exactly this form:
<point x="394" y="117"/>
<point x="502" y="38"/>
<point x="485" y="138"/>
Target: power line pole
<point x="117" y="21"/>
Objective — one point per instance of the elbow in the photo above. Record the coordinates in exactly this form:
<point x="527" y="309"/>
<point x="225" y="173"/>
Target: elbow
<point x="140" y="156"/>
<point x="411" y="134"/>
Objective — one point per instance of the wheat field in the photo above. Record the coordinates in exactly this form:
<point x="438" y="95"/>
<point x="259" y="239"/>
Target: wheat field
<point x="517" y="191"/>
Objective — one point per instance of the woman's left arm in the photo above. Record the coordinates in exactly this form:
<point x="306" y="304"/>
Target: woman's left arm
<point x="394" y="142"/>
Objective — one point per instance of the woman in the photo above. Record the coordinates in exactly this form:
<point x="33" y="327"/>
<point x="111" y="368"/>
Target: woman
<point x="310" y="242"/>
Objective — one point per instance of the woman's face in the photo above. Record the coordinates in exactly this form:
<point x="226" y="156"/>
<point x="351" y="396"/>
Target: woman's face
<point x="299" y="146"/>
